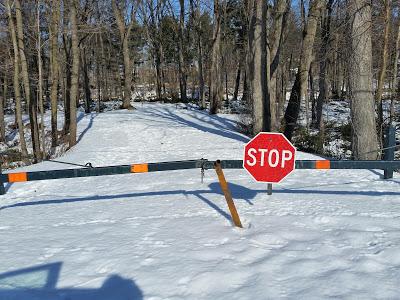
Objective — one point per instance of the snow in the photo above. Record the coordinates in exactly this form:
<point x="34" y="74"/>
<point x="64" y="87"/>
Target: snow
<point x="322" y="234"/>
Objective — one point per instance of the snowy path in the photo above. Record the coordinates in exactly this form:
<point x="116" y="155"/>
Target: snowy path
<point x="322" y="234"/>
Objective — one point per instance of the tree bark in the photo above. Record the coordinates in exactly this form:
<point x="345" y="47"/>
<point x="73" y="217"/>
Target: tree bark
<point x="364" y="135"/>
<point x="382" y="70"/>
<point x="67" y="70"/>
<point x="258" y="71"/>
<point x="237" y="83"/>
<point x="32" y="105"/>
<point x="2" y="124"/>
<point x="86" y="82"/>
<point x="181" y="52"/>
<point x="17" y="92"/>
<point x="3" y="100"/>
<point x="215" y="74"/>
<point x="125" y="32"/>
<point x="200" y="73"/>
<point x="280" y="13"/>
<point x="40" y="83"/>
<point x="299" y="88"/>
<point x="74" y="94"/>
<point x="323" y="74"/>
<point x="395" y="82"/>
<point x="98" y="74"/>
<point x="312" y="92"/>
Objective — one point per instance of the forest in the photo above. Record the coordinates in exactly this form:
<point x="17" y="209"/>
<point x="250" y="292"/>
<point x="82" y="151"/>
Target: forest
<point x="278" y="64"/>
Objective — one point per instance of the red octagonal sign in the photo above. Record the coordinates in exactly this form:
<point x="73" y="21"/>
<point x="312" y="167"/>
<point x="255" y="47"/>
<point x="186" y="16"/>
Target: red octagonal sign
<point x="269" y="157"/>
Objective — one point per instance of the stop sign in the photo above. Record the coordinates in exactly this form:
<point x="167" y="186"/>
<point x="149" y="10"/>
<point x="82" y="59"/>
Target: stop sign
<point x="269" y="157"/>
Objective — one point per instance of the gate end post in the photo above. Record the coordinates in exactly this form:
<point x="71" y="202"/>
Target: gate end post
<point x="390" y="143"/>
<point x="2" y="189"/>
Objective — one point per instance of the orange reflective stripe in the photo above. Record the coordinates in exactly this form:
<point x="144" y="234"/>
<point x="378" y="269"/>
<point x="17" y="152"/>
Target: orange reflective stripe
<point x="140" y="168"/>
<point x="17" y="177"/>
<point x="322" y="164"/>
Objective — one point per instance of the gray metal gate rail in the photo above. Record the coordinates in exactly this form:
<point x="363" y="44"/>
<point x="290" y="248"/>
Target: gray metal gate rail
<point x="388" y="165"/>
<point x="185" y="165"/>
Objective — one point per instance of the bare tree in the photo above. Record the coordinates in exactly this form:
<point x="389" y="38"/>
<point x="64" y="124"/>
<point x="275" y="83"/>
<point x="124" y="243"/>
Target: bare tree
<point x="215" y="73"/>
<point x="299" y="89"/>
<point x="395" y="81"/>
<point x="382" y="70"/>
<point x="323" y="65"/>
<point x="3" y="98"/>
<point x="364" y="136"/>
<point x="125" y="24"/>
<point x="279" y="23"/>
<point x="257" y="70"/>
<point x="40" y="81"/>
<point x="26" y="83"/>
<point x="17" y="92"/>
<point x="54" y="68"/>
<point x="74" y="94"/>
<point x="181" y="52"/>
<point x="199" y="43"/>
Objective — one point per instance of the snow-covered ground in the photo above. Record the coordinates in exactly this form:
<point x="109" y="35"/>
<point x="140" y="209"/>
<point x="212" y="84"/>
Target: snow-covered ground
<point x="322" y="234"/>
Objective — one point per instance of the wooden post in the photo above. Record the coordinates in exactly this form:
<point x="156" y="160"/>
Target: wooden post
<point x="390" y="143"/>
<point x="269" y="191"/>
<point x="227" y="194"/>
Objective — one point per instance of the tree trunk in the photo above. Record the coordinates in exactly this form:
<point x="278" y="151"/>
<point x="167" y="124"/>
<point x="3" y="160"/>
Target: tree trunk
<point x="246" y="88"/>
<point x="125" y="32"/>
<point x="395" y="82"/>
<point x="17" y="92"/>
<point x="382" y="70"/>
<point x="2" y="124"/>
<point x="3" y="100"/>
<point x="158" y="74"/>
<point x="202" y="98"/>
<point x="181" y="51"/>
<point x="74" y="94"/>
<point x="40" y="83"/>
<point x="98" y="72"/>
<point x="67" y="97"/>
<point x="127" y="74"/>
<point x="280" y="13"/>
<point x="299" y="88"/>
<point x="226" y="84"/>
<point x="323" y="74"/>
<point x="364" y="135"/>
<point x="106" y="93"/>
<point x="282" y="79"/>
<point x="215" y="74"/>
<point x="293" y="108"/>
<point x="237" y="83"/>
<point x="86" y="82"/>
<point x="54" y="68"/>
<point x="257" y="69"/>
<point x="312" y="92"/>
<point x="31" y="101"/>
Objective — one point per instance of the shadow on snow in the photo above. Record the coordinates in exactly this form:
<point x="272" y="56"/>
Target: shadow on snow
<point x="39" y="283"/>
<point x="202" y="121"/>
<point x="238" y="192"/>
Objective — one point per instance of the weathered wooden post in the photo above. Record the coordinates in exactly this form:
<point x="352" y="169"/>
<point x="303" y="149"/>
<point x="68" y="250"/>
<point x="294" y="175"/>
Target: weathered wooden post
<point x="390" y="145"/>
<point x="2" y="189"/>
<point x="227" y="194"/>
